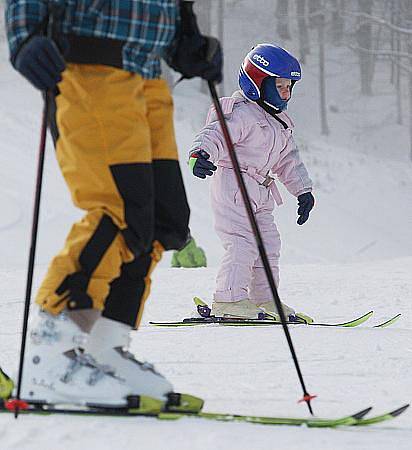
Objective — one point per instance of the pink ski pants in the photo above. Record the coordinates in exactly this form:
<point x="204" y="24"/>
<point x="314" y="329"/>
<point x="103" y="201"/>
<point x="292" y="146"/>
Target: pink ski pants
<point x="241" y="274"/>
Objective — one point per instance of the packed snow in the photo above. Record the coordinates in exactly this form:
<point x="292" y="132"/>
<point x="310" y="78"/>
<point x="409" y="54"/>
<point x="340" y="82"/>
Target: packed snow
<point x="354" y="255"/>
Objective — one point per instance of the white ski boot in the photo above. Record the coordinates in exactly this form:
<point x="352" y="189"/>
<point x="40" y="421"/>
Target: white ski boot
<point x="243" y="309"/>
<point x="57" y="370"/>
<point x="271" y="309"/>
<point x="108" y="346"/>
<point x="290" y="314"/>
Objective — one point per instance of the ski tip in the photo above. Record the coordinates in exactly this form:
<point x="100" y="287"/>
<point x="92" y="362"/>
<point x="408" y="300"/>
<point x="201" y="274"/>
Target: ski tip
<point x="198" y="301"/>
<point x="399" y="411"/>
<point x="388" y="322"/>
<point x="362" y="414"/>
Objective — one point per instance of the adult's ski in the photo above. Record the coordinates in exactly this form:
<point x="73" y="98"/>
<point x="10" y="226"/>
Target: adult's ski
<point x="357" y="419"/>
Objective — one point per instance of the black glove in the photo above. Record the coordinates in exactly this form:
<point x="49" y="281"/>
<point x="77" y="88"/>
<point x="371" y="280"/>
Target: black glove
<point x="40" y="61"/>
<point x="306" y="202"/>
<point x="195" y="55"/>
<point x="199" y="164"/>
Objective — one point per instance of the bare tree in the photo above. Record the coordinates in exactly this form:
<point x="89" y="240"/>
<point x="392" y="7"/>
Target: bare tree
<point x="337" y="22"/>
<point x="410" y="97"/>
<point x="2" y="26"/>
<point x="216" y="21"/>
<point x="282" y="20"/>
<point x="407" y="14"/>
<point x="364" y="38"/>
<point x="396" y="70"/>
<point x="317" y="18"/>
<point x="398" y="22"/>
<point x="304" y="43"/>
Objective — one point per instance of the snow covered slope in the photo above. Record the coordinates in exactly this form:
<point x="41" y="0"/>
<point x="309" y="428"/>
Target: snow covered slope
<point x="249" y="370"/>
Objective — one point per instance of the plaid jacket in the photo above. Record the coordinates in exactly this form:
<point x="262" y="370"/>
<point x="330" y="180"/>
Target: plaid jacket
<point x="147" y="26"/>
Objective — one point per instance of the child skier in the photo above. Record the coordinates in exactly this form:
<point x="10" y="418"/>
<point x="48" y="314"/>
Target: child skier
<point x="261" y="132"/>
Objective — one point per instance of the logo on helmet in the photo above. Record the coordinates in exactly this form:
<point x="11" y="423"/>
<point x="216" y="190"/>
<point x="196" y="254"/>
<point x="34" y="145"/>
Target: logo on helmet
<point x="261" y="59"/>
<point x="295" y="74"/>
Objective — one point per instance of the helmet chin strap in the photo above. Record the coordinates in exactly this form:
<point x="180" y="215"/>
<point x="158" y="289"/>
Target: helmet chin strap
<point x="277" y="109"/>
<point x="273" y="112"/>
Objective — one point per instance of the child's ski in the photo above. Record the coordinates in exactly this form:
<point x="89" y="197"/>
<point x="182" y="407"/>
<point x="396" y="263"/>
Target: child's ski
<point x="226" y="321"/>
<point x="356" y="419"/>
<point x="388" y="322"/>
<point x="206" y="319"/>
<point x="264" y="320"/>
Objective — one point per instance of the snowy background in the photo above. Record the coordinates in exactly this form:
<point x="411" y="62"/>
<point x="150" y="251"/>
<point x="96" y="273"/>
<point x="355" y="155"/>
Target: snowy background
<point x="354" y="255"/>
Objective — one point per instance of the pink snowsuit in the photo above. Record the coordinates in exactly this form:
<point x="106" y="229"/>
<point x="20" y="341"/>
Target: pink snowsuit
<point x="263" y="146"/>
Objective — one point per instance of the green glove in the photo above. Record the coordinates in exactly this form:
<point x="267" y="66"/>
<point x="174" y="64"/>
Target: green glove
<point x="189" y="256"/>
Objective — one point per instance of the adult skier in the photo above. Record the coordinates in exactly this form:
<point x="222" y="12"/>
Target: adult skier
<point x="261" y="131"/>
<point x="113" y="132"/>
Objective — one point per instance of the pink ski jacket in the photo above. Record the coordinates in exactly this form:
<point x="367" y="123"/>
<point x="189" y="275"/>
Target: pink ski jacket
<point x="263" y="145"/>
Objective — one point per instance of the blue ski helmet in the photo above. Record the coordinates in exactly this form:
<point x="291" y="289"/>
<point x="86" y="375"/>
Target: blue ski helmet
<point x="262" y="65"/>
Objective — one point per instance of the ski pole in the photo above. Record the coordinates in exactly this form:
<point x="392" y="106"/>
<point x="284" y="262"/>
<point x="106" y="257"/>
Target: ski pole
<point x="33" y="241"/>
<point x="262" y="251"/>
<point x="55" y="12"/>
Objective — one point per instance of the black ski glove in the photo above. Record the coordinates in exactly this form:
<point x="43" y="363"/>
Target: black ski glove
<point x="306" y="202"/>
<point x="199" y="164"/>
<point x="195" y="55"/>
<point x="40" y="61"/>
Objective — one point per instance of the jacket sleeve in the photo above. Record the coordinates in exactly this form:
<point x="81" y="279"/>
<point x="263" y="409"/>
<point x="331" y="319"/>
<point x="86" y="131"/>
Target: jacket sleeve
<point x="291" y="171"/>
<point x="211" y="137"/>
<point x="23" y="19"/>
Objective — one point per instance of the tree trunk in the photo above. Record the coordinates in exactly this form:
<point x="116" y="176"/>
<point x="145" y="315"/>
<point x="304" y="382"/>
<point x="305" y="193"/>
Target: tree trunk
<point x="217" y="12"/>
<point x="393" y="41"/>
<point x="398" y="78"/>
<point x="282" y="20"/>
<point x="2" y="25"/>
<point x="322" y="78"/>
<point x="410" y="112"/>
<point x="337" y="21"/>
<point x="314" y="9"/>
<point x="410" y="97"/>
<point x="364" y="38"/>
<point x="304" y="44"/>
<point x="317" y="20"/>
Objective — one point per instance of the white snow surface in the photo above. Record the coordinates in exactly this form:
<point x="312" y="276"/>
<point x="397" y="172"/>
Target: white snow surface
<point x="354" y="255"/>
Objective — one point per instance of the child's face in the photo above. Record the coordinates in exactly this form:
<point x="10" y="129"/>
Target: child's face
<point x="283" y="87"/>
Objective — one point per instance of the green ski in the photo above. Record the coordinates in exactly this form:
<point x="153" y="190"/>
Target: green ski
<point x="356" y="419"/>
<point x="207" y="319"/>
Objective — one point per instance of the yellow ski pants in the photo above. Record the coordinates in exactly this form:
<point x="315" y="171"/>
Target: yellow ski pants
<point x="115" y="144"/>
